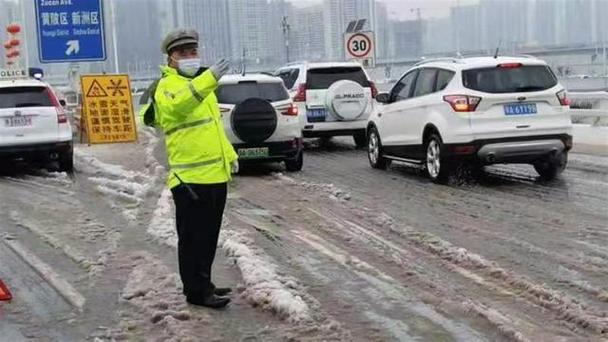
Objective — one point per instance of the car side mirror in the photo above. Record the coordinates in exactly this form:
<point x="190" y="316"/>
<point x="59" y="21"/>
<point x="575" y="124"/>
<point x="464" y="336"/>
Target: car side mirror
<point x="383" y="98"/>
<point x="62" y="103"/>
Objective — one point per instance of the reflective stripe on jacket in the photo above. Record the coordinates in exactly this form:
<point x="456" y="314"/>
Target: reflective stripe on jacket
<point x="186" y="110"/>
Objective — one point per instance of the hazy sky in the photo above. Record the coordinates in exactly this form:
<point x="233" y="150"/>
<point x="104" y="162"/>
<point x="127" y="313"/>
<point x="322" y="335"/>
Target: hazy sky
<point x="403" y="9"/>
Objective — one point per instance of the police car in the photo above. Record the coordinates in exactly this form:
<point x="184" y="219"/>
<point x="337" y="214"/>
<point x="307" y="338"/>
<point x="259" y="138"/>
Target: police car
<point x="33" y="123"/>
<point x="261" y="120"/>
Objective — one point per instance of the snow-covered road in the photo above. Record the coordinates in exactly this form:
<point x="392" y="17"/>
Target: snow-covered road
<point x="337" y="252"/>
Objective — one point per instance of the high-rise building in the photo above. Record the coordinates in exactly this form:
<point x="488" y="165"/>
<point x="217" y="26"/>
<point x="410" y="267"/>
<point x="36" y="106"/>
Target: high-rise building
<point x="213" y="22"/>
<point x="437" y="36"/>
<point x="406" y="39"/>
<point x="139" y="38"/>
<point x="277" y="10"/>
<point x="382" y="30"/>
<point x="169" y="15"/>
<point x="338" y="13"/>
<point x="249" y="31"/>
<point x="308" y="40"/>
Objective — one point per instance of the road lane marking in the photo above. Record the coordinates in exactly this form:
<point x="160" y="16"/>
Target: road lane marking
<point x="62" y="286"/>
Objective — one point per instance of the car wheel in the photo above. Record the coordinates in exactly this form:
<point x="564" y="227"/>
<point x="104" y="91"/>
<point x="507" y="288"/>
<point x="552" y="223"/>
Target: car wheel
<point x="66" y="162"/>
<point x="437" y="169"/>
<point x="360" y="140"/>
<point x="553" y="166"/>
<point x="374" y="150"/>
<point x="295" y="164"/>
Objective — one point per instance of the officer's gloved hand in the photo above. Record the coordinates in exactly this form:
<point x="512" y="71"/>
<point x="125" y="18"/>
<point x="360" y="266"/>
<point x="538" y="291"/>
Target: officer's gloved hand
<point x="220" y="68"/>
<point x="235" y="166"/>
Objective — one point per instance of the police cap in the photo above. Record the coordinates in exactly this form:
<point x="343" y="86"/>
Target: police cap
<point x="178" y="38"/>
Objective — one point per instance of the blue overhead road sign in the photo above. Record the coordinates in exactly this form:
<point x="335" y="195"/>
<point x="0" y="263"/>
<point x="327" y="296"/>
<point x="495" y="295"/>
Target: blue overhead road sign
<point x="70" y="30"/>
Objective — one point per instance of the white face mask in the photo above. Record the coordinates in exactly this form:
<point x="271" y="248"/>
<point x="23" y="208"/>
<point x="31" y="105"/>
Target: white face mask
<point x="189" y="66"/>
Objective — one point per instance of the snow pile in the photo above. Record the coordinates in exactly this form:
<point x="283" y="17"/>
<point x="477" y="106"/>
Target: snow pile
<point x="154" y="167"/>
<point x="331" y="190"/>
<point x="263" y="285"/>
<point x="574" y="278"/>
<point x="502" y="323"/>
<point x="568" y="308"/>
<point x="90" y="165"/>
<point x="129" y="187"/>
<point x="162" y="225"/>
<point x="60" y="178"/>
<point x="156" y="292"/>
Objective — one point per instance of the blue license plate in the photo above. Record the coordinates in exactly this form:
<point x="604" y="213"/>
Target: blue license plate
<point x="520" y="109"/>
<point x="316" y="115"/>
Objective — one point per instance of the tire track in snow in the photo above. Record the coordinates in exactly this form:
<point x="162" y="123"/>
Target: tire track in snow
<point x="597" y="325"/>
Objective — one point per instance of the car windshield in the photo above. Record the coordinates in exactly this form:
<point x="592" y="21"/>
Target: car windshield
<point x="325" y="77"/>
<point x="16" y="97"/>
<point x="237" y="93"/>
<point x="509" y="80"/>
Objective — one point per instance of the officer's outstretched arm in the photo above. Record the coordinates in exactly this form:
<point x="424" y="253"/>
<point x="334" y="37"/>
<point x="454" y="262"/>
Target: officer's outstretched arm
<point x="177" y="97"/>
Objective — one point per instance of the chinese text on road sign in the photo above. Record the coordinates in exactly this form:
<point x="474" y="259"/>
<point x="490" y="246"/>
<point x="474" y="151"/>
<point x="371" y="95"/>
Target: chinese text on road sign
<point x="360" y="46"/>
<point x="108" y="108"/>
<point x="70" y="30"/>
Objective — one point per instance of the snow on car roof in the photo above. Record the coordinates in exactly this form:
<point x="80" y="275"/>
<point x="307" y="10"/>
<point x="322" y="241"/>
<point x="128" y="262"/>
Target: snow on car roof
<point x="21" y="83"/>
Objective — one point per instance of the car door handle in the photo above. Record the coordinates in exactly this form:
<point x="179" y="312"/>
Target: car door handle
<point x="523" y="126"/>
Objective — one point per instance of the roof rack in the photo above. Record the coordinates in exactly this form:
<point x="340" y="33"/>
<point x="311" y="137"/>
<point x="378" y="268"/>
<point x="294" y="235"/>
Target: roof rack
<point x="442" y="59"/>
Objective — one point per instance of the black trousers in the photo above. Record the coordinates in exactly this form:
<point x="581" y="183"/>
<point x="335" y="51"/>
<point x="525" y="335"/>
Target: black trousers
<point x="198" y="228"/>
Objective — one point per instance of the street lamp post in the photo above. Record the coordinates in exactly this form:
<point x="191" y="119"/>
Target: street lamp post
<point x="286" y="28"/>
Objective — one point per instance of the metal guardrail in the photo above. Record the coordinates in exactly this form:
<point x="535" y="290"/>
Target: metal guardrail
<point x="587" y="115"/>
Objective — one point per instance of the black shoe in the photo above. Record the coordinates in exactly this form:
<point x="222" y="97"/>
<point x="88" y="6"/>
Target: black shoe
<point x="212" y="301"/>
<point x="222" y="291"/>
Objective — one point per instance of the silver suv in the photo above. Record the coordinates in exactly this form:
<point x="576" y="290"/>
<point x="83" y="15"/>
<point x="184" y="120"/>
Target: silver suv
<point x="334" y="99"/>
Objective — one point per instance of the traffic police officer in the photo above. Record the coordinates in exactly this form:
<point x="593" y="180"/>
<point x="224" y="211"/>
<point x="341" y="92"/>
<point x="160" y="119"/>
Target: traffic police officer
<point x="201" y="160"/>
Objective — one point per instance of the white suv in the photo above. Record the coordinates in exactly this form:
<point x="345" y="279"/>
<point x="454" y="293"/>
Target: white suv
<point x="33" y="124"/>
<point x="480" y="110"/>
<point x="261" y="120"/>
<point x="333" y="98"/>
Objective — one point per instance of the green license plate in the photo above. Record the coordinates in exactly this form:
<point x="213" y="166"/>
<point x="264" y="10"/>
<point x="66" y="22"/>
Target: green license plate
<point x="248" y="153"/>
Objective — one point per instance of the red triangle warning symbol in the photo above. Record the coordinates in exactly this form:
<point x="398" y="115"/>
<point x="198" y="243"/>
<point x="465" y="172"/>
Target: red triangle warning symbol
<point x="5" y="294"/>
<point x="96" y="90"/>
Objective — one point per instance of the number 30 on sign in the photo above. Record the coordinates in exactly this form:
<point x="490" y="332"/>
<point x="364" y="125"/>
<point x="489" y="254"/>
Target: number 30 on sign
<point x="359" y="46"/>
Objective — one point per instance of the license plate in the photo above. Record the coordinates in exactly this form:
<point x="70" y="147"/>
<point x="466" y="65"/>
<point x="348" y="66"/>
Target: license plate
<point x="520" y="109"/>
<point x="248" y="153"/>
<point x="316" y="113"/>
<point x="18" y="121"/>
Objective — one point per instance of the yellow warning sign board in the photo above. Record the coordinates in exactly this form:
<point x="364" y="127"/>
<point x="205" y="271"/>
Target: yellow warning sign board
<point x="108" y="108"/>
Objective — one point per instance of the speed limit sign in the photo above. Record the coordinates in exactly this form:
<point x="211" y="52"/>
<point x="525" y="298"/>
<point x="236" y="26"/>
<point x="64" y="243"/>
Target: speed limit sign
<point x="360" y="46"/>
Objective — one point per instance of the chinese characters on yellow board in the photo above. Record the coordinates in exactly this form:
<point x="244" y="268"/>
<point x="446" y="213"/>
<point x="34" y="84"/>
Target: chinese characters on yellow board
<point x="108" y="108"/>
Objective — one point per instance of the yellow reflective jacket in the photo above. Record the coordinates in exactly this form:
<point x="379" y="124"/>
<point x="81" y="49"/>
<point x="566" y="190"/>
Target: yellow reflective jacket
<point x="186" y="110"/>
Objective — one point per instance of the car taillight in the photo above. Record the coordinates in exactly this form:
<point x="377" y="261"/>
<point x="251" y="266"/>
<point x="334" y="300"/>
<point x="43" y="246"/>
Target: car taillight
<point x="562" y="96"/>
<point x="372" y="85"/>
<point x="509" y="65"/>
<point x="301" y="94"/>
<point x="462" y="103"/>
<point x="61" y="117"/>
<point x="291" y="111"/>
